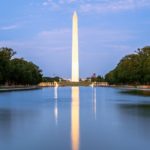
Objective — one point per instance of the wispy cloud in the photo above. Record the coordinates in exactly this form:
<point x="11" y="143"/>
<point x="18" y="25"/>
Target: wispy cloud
<point x="59" y="41"/>
<point x="53" y="5"/>
<point x="97" y="6"/>
<point x="114" y="6"/>
<point x="55" y="44"/>
<point x="48" y="41"/>
<point x="59" y="2"/>
<point x="9" y="27"/>
<point x="48" y="45"/>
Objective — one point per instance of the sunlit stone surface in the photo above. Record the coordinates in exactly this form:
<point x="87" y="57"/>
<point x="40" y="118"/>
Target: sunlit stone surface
<point x="75" y="56"/>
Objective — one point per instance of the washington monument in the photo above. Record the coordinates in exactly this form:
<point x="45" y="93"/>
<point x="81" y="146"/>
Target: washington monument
<point x="75" y="49"/>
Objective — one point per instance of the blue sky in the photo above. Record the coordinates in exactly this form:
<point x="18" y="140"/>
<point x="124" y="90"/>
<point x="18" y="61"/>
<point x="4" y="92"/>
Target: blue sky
<point x="40" y="31"/>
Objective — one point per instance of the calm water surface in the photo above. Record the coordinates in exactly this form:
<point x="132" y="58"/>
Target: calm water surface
<point x="74" y="119"/>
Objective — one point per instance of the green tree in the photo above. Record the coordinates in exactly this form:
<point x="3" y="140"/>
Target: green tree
<point x="24" y="72"/>
<point x="17" y="71"/>
<point x="5" y="57"/>
<point x="132" y="69"/>
<point x="111" y="77"/>
<point x="145" y="56"/>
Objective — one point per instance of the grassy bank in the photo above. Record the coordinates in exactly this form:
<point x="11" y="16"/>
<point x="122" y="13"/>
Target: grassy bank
<point x="17" y="88"/>
<point x="136" y="87"/>
<point x="82" y="83"/>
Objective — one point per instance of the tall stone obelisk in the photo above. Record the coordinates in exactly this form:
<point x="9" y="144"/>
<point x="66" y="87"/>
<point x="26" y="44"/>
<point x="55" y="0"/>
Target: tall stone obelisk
<point x="75" y="49"/>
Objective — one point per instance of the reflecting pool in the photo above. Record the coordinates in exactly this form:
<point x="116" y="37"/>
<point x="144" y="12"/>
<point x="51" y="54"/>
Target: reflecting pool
<point x="74" y="118"/>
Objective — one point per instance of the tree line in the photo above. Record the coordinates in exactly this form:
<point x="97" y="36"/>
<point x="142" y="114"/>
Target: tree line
<point x="132" y="69"/>
<point x="17" y="71"/>
<point x="52" y="79"/>
<point x="95" y="78"/>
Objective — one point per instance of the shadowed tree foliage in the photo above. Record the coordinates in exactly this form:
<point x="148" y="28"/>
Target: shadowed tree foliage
<point x="97" y="79"/>
<point x="52" y="79"/>
<point x="5" y="57"/>
<point x="23" y="72"/>
<point x="132" y="69"/>
<point x="17" y="70"/>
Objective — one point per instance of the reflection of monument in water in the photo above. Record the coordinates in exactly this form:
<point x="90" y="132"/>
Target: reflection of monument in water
<point x="94" y="100"/>
<point x="75" y="122"/>
<point x="75" y="55"/>
<point x="56" y="106"/>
